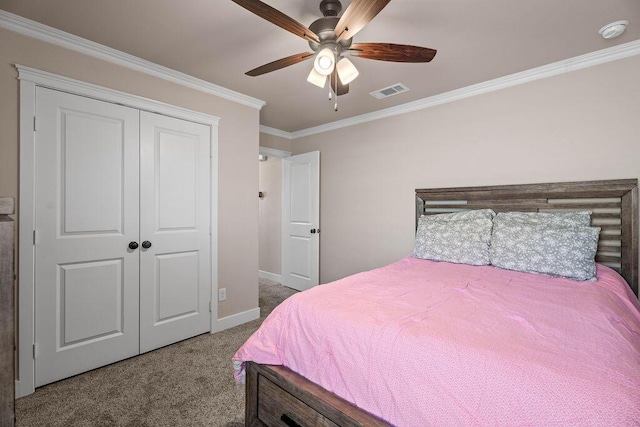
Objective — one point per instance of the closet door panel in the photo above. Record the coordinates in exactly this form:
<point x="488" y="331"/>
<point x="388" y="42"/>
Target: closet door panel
<point x="86" y="290"/>
<point x="177" y="168"/>
<point x="175" y="280"/>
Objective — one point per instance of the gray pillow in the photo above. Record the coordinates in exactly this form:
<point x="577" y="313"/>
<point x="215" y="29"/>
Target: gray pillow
<point x="459" y="241"/>
<point x="560" y="219"/>
<point x="538" y="248"/>
<point x="469" y="215"/>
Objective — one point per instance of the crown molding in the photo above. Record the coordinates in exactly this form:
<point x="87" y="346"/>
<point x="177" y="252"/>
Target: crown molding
<point x="275" y="132"/>
<point x="51" y="35"/>
<point x="35" y="30"/>
<point x="610" y="54"/>
<point x="54" y="81"/>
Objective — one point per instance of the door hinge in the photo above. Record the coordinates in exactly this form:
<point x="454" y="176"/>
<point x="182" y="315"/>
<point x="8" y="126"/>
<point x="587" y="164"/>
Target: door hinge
<point x="34" y="237"/>
<point x="35" y="351"/>
<point x="210" y="307"/>
<point x="35" y="124"/>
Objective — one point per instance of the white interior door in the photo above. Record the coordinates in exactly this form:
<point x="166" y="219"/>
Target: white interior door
<point x="86" y="289"/>
<point x="301" y="221"/>
<point x="175" y="271"/>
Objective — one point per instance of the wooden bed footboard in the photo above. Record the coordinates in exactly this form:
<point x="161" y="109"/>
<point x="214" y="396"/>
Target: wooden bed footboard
<point x="277" y="396"/>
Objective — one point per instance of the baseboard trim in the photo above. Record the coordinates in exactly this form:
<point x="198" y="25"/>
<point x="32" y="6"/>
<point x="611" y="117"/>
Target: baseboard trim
<point x="236" y="320"/>
<point x="22" y="389"/>
<point x="270" y="276"/>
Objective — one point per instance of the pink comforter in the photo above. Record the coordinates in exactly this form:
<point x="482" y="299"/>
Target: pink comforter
<point x="421" y="343"/>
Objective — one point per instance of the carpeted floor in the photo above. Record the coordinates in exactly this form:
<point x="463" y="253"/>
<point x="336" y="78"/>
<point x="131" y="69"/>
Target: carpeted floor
<point x="185" y="384"/>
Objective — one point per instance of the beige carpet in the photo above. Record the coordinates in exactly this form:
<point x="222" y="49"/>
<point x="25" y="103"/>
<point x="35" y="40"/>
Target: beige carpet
<point x="185" y="384"/>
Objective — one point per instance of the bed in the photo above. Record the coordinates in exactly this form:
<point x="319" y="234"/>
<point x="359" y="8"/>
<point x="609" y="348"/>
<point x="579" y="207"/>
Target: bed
<point x="421" y="342"/>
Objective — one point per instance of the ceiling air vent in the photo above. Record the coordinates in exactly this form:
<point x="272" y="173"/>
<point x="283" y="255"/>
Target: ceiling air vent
<point x="389" y="91"/>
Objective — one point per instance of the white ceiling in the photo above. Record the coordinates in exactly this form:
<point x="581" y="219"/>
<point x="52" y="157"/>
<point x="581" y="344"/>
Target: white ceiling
<point x="218" y="41"/>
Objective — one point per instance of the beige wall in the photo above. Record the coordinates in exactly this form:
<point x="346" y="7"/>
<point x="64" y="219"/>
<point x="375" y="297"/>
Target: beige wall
<point x="583" y="125"/>
<point x="237" y="151"/>
<point x="276" y="142"/>
<point x="270" y="173"/>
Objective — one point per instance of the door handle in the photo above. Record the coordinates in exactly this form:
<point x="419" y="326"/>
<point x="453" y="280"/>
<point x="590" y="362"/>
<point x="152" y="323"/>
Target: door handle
<point x="133" y="245"/>
<point x="315" y="230"/>
<point x="146" y="244"/>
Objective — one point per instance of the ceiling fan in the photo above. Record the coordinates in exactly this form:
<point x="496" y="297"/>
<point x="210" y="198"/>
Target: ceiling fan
<point x="330" y="38"/>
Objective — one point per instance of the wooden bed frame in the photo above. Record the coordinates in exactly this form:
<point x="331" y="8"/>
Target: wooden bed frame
<point x="613" y="203"/>
<point x="277" y="396"/>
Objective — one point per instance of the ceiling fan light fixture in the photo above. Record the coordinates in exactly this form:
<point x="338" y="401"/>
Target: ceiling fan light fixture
<point x="316" y="78"/>
<point x="324" y="62"/>
<point x="330" y="37"/>
<point x="346" y="71"/>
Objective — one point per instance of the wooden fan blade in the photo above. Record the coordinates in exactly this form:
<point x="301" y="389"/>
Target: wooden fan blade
<point x="392" y="52"/>
<point x="280" y="63"/>
<point x="278" y="18"/>
<point x="340" y="89"/>
<point x="357" y="15"/>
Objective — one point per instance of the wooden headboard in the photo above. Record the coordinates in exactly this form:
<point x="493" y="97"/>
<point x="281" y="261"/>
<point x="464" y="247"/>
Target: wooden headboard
<point x="614" y="204"/>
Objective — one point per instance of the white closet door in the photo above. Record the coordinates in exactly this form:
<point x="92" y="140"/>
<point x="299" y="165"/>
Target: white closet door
<point x="175" y="276"/>
<point x="86" y="290"/>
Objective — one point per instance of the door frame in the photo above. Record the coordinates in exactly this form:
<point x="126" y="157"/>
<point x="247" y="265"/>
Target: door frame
<point x="282" y="155"/>
<point x="284" y="262"/>
<point x="30" y="78"/>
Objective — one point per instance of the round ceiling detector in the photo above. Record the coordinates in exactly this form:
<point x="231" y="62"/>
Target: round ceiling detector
<point x="614" y="29"/>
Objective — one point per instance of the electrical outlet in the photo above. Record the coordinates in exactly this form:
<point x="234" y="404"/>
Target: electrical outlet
<point x="222" y="294"/>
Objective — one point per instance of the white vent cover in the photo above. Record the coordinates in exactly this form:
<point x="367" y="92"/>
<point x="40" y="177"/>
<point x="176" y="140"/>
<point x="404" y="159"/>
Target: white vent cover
<point x="389" y="91"/>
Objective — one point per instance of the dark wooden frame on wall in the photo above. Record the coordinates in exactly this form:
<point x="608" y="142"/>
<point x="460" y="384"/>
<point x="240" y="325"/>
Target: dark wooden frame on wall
<point x="614" y="204"/>
<point x="7" y="375"/>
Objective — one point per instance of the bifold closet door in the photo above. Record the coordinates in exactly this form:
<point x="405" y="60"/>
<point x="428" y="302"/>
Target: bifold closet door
<point x="86" y="291"/>
<point x="122" y="239"/>
<point x="175" y="267"/>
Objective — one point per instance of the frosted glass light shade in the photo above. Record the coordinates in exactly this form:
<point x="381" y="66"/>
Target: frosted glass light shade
<point x="324" y="62"/>
<point x="316" y="78"/>
<point x="346" y="71"/>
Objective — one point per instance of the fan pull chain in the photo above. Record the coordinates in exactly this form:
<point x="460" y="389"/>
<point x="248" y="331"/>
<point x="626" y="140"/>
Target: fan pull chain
<point x="335" y="107"/>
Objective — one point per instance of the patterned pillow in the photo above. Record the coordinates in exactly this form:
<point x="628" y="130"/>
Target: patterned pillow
<point x="561" y="219"/>
<point x="538" y="248"/>
<point x="461" y="216"/>
<point x="460" y="241"/>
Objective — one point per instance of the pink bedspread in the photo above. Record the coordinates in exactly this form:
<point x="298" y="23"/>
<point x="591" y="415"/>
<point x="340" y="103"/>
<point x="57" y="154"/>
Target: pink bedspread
<point x="421" y="343"/>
